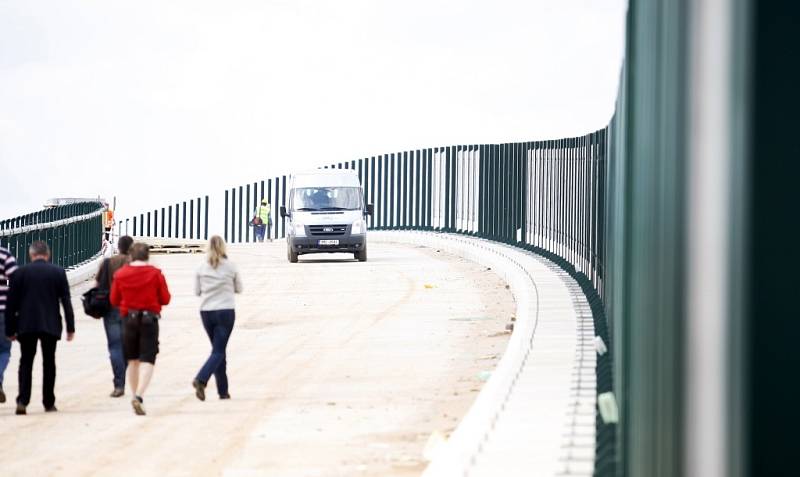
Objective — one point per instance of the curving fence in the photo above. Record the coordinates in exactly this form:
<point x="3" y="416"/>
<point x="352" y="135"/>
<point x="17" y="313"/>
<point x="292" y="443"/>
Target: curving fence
<point x="547" y="195"/>
<point x="74" y="232"/>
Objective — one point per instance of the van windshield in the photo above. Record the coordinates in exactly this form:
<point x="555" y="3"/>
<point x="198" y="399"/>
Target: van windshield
<point x="326" y="198"/>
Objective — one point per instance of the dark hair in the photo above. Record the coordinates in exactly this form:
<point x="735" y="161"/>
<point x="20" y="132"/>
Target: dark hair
<point x="140" y="251"/>
<point x="39" y="248"/>
<point x="124" y="244"/>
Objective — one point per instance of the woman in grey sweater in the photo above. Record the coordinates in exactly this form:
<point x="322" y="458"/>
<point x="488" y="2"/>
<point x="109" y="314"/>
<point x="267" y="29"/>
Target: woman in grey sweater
<point x="217" y="281"/>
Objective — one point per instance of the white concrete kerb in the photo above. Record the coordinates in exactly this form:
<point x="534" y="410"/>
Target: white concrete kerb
<point x="490" y="439"/>
<point x="86" y="270"/>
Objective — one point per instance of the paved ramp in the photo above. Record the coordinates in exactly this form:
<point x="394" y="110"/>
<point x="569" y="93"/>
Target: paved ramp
<point x="336" y="368"/>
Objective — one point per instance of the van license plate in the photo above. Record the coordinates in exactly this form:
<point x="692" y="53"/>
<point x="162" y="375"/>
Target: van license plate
<point x="329" y="242"/>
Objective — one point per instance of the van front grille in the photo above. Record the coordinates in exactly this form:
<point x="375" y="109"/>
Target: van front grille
<point x="327" y="230"/>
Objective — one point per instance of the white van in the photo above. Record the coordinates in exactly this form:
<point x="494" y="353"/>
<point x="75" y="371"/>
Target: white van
<point x="326" y="214"/>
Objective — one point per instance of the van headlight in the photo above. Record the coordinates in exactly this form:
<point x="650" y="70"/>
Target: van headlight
<point x="299" y="230"/>
<point x="359" y="227"/>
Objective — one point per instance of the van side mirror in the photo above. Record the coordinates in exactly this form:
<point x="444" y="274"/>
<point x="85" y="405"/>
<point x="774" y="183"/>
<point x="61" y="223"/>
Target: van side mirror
<point x="283" y="212"/>
<point x="370" y="209"/>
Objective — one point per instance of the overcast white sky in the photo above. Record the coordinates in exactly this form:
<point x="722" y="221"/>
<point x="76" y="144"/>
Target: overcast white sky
<point x="155" y="101"/>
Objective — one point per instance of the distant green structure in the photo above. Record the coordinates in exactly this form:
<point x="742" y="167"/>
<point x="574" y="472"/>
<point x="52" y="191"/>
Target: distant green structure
<point x="73" y="231"/>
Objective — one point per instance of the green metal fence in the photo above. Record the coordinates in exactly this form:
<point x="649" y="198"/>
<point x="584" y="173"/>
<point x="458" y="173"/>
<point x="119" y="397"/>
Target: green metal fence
<point x="74" y="232"/>
<point x="187" y="219"/>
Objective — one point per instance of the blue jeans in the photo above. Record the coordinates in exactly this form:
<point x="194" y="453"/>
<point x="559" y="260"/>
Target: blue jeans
<point x="259" y="232"/>
<point x="113" y="325"/>
<point x="218" y="325"/>
<point x="5" y="346"/>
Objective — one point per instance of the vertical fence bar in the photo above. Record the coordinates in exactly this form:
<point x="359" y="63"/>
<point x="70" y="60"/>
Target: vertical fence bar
<point x="191" y="219"/>
<point x="205" y="222"/>
<point x="248" y="217"/>
<point x="283" y="203"/>
<point x="227" y="238"/>
<point x="240" y="215"/>
<point x="183" y="222"/>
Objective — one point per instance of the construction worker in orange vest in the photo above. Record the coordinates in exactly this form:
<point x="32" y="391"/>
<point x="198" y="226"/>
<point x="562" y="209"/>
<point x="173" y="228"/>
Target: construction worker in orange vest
<point x="108" y="222"/>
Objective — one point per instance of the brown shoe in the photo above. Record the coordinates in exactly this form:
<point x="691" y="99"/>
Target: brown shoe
<point x="2" y="394"/>
<point x="199" y="389"/>
<point x="21" y="410"/>
<point x="118" y="392"/>
<point x="138" y="406"/>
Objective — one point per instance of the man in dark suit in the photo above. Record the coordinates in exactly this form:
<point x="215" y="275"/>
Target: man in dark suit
<point x="33" y="315"/>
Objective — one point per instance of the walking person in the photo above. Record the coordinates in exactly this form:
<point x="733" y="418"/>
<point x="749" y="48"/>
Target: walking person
<point x="33" y="316"/>
<point x="8" y="265"/>
<point x="139" y="290"/>
<point x="217" y="280"/>
<point x="261" y="221"/>
<point x="112" y="322"/>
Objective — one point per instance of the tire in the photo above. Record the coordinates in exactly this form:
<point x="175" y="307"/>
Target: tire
<point x="292" y="255"/>
<point x="361" y="256"/>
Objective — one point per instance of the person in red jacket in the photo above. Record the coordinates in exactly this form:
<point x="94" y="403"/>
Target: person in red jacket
<point x="139" y="290"/>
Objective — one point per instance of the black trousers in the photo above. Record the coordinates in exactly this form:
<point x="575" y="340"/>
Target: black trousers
<point x="27" y="343"/>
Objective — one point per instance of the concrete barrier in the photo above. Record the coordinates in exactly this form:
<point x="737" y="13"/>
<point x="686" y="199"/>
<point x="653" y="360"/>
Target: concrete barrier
<point x="536" y="413"/>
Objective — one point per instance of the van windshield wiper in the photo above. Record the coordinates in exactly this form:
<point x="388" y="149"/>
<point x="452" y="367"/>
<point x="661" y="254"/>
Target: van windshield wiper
<point x="334" y="208"/>
<point x="306" y="209"/>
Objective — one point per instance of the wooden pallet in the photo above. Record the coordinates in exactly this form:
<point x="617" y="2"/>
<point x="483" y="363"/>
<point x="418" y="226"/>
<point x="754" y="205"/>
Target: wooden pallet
<point x="167" y="245"/>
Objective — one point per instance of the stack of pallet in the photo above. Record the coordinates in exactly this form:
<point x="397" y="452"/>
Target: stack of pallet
<point x="172" y="245"/>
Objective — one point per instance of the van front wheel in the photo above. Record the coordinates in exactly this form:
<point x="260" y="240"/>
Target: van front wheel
<point x="292" y="255"/>
<point x="361" y="256"/>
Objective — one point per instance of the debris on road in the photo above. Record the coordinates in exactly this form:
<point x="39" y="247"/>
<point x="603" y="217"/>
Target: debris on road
<point x="484" y="375"/>
<point x="471" y="318"/>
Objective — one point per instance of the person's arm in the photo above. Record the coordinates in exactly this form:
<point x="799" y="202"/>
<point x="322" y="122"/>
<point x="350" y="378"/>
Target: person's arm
<point x="10" y="265"/>
<point x="66" y="302"/>
<point x="163" y="291"/>
<point x="102" y="274"/>
<point x="197" y="289"/>
<point x="12" y="305"/>
<point x="237" y="281"/>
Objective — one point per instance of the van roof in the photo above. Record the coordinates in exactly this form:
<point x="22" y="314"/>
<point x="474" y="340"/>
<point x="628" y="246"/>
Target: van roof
<point x="327" y="178"/>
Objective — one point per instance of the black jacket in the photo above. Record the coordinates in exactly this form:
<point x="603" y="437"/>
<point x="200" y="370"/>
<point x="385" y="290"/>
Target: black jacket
<point x="33" y="300"/>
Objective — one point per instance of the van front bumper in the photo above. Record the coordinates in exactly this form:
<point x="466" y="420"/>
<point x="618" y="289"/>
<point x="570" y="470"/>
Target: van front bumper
<point x="323" y="244"/>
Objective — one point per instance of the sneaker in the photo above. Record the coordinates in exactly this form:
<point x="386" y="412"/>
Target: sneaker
<point x="118" y="392"/>
<point x="224" y="396"/>
<point x="138" y="405"/>
<point x="199" y="389"/>
<point x="2" y="394"/>
<point x="21" y="410"/>
<point x="51" y="409"/>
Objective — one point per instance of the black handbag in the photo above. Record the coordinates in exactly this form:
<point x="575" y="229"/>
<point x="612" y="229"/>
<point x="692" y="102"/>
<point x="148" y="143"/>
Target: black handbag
<point x="97" y="301"/>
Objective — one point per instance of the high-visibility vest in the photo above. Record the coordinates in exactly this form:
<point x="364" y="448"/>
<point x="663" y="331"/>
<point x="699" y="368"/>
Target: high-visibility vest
<point x="108" y="218"/>
<point x="263" y="213"/>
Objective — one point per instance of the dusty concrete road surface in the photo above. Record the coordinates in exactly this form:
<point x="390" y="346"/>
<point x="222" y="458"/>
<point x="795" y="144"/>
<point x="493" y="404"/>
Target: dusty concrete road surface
<point x="337" y="368"/>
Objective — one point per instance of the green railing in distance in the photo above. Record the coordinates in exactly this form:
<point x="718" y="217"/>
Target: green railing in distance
<point x="74" y="232"/>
